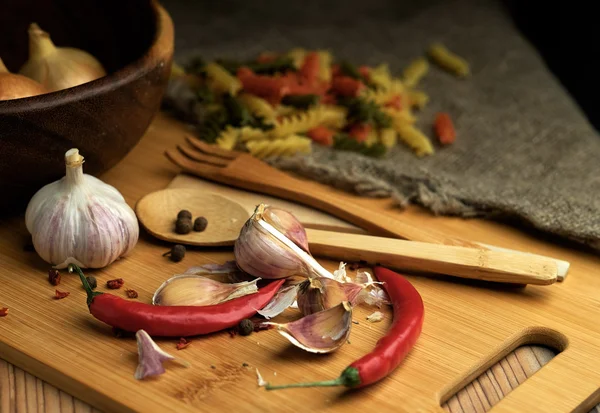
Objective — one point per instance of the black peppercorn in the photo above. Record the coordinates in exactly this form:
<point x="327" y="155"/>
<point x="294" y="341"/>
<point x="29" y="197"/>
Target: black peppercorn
<point x="183" y="226"/>
<point x="177" y="253"/>
<point x="184" y="214"/>
<point x="200" y="224"/>
<point x="92" y="281"/>
<point x="246" y="327"/>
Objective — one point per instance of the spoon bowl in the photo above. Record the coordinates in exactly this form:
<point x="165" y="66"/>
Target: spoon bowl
<point x="157" y="212"/>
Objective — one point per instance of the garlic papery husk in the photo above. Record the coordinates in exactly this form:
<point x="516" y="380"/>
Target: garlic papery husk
<point x="151" y="357"/>
<point x="80" y="220"/>
<point x="58" y="68"/>
<point x="287" y="224"/>
<point x="197" y="290"/>
<point x="284" y="298"/>
<point x="264" y="251"/>
<point x="321" y="332"/>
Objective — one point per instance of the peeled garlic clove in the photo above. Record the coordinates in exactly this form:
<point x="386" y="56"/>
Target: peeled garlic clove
<point x="58" y="68"/>
<point x="321" y="332"/>
<point x="80" y="220"/>
<point x="198" y="290"/>
<point x="264" y="251"/>
<point x="288" y="225"/>
<point x="318" y="294"/>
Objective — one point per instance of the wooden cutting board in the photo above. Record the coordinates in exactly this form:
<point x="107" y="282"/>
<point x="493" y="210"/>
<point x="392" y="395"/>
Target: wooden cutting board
<point x="468" y="327"/>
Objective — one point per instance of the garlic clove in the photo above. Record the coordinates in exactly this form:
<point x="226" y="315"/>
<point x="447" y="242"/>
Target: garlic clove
<point x="283" y="299"/>
<point x="58" y="68"/>
<point x="321" y="332"/>
<point x="288" y="225"/>
<point x="151" y="357"/>
<point x="199" y="291"/>
<point x="264" y="251"/>
<point x="226" y="273"/>
<point x="79" y="219"/>
<point x="318" y="294"/>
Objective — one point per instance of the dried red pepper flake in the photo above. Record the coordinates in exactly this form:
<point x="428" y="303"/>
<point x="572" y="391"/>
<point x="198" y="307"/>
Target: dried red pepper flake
<point x="115" y="284"/>
<point x="131" y="293"/>
<point x="3" y="312"/>
<point x="183" y="343"/>
<point x="59" y="295"/>
<point x="54" y="277"/>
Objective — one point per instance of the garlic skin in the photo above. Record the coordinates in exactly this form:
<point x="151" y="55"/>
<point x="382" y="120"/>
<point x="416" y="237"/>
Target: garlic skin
<point x="80" y="220"/>
<point x="265" y="251"/>
<point x="58" y="68"/>
<point x="197" y="290"/>
<point x="318" y="294"/>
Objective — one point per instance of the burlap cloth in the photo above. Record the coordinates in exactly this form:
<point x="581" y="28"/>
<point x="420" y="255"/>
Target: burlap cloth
<point x="524" y="149"/>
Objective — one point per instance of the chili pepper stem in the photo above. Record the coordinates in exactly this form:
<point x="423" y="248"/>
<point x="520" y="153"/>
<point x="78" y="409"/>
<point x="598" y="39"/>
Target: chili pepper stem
<point x="348" y="378"/>
<point x="90" y="293"/>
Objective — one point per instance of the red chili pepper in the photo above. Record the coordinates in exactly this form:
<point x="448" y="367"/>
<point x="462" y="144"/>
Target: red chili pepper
<point x="183" y="343"/>
<point x="3" y="312"/>
<point x="115" y="284"/>
<point x="392" y="348"/>
<point x="174" y="321"/>
<point x="59" y="295"/>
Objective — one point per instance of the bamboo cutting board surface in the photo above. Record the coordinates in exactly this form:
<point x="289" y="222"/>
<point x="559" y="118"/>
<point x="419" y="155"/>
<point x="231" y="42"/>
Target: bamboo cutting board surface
<point x="468" y="327"/>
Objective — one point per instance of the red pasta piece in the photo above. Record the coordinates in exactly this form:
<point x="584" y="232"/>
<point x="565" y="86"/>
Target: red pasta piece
<point x="395" y="102"/>
<point x="266" y="57"/>
<point x="321" y="135"/>
<point x="310" y="67"/>
<point x="346" y="86"/>
<point x="444" y="128"/>
<point x="360" y="131"/>
<point x="365" y="72"/>
<point x="329" y="99"/>
<point x="335" y="70"/>
<point x="269" y="87"/>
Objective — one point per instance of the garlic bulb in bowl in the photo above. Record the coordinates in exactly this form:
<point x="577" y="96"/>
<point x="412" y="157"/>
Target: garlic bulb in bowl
<point x="81" y="220"/>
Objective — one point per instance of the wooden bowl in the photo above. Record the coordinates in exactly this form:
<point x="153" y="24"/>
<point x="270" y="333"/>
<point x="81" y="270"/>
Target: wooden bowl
<point x="105" y="118"/>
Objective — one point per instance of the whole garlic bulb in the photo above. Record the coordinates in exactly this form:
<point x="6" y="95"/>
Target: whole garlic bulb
<point x="81" y="220"/>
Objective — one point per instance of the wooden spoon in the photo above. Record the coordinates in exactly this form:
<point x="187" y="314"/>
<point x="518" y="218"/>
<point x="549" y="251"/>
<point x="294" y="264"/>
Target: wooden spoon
<point x="158" y="211"/>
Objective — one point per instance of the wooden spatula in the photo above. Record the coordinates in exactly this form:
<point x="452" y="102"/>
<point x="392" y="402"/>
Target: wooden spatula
<point x="157" y="213"/>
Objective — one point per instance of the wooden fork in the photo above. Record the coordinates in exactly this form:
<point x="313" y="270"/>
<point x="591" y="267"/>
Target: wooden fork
<point x="244" y="171"/>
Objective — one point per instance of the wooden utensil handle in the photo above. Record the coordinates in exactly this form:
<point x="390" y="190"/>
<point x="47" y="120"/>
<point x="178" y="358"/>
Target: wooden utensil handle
<point x="474" y="263"/>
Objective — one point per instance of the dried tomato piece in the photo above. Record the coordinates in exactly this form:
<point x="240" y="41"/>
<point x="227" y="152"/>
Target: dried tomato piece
<point x="183" y="343"/>
<point x="54" y="277"/>
<point x="131" y="293"/>
<point x="59" y="295"/>
<point x="115" y="284"/>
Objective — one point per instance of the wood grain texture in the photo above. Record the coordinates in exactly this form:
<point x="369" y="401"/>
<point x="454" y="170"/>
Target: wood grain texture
<point x="105" y="118"/>
<point x="468" y="326"/>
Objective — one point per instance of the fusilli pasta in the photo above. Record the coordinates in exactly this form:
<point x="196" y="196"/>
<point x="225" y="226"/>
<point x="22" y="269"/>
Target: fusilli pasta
<point x="258" y="106"/>
<point x="414" y="138"/>
<point x="415" y="71"/>
<point x="221" y="80"/>
<point x="417" y="99"/>
<point x="324" y="115"/>
<point x="228" y="138"/>
<point x="448" y="60"/>
<point x="388" y="137"/>
<point x="297" y="55"/>
<point x="291" y="145"/>
<point x="252" y="134"/>
<point x="380" y="76"/>
<point x="325" y="60"/>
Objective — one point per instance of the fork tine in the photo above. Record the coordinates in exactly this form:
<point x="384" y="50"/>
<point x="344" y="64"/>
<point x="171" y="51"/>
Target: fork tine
<point x="195" y="168"/>
<point x="211" y="149"/>
<point x="201" y="157"/>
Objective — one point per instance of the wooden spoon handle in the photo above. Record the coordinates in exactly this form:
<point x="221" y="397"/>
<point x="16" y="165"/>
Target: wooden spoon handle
<point x="474" y="263"/>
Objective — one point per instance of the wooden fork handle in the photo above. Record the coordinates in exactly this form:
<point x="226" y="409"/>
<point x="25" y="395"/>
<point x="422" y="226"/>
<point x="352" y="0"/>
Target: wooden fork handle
<point x="464" y="262"/>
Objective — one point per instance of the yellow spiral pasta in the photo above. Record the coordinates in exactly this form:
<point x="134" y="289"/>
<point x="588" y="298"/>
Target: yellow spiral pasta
<point x="325" y="60"/>
<point x="324" y="115"/>
<point x="388" y="137"/>
<point x="448" y="60"/>
<point x="297" y="55"/>
<point x="221" y="80"/>
<point x="258" y="106"/>
<point x="379" y="96"/>
<point x="380" y="76"/>
<point x="414" y="138"/>
<point x="228" y="138"/>
<point x="415" y="71"/>
<point x="289" y="146"/>
<point x="372" y="138"/>
<point x="251" y="134"/>
<point x="403" y="116"/>
<point x="417" y="99"/>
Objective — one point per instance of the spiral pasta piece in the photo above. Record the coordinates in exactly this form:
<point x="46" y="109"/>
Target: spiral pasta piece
<point x="415" y="71"/>
<point x="323" y="115"/>
<point x="325" y="60"/>
<point x="258" y="106"/>
<point x="380" y="76"/>
<point x="388" y="137"/>
<point x="417" y="99"/>
<point x="414" y="138"/>
<point x="297" y="55"/>
<point x="448" y="60"/>
<point x="251" y="134"/>
<point x="221" y="80"/>
<point x="289" y="146"/>
<point x="228" y="138"/>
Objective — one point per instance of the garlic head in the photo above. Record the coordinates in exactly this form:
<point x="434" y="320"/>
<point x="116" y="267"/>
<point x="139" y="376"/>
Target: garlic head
<point x="81" y="220"/>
